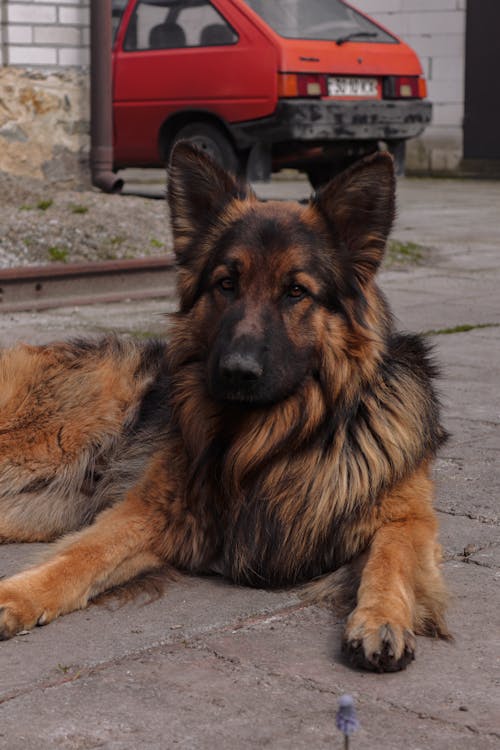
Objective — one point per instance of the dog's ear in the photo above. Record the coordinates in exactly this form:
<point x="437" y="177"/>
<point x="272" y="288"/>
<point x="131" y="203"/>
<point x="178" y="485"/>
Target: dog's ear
<point x="197" y="192"/>
<point x="359" y="207"/>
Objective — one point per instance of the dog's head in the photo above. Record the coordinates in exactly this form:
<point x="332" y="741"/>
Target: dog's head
<point x="275" y="293"/>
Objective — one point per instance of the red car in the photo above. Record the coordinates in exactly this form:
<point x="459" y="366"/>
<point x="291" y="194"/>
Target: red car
<point x="261" y="84"/>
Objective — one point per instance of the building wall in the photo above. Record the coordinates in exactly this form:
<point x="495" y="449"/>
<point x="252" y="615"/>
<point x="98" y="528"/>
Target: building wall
<point x="44" y="90"/>
<point x="435" y="29"/>
<point x="45" y="32"/>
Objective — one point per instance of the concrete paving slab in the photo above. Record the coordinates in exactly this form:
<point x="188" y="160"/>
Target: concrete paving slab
<point x="459" y="218"/>
<point x="145" y="318"/>
<point x="471" y="348"/>
<point x="434" y="302"/>
<point x="467" y="471"/>
<point x="469" y="486"/>
<point x="274" y="683"/>
<point x="488" y="558"/>
<point x="319" y="660"/>
<point x="187" y="699"/>
<point x="462" y="537"/>
<point x="464" y="400"/>
<point x="435" y="313"/>
<point x="83" y="640"/>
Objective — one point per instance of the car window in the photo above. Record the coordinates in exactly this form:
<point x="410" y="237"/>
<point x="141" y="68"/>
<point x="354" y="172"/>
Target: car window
<point x="173" y="24"/>
<point x="330" y="20"/>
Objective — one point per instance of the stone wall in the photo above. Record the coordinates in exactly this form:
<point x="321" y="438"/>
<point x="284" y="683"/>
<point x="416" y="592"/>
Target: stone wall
<point x="435" y="29"/>
<point x="44" y="124"/>
<point x="44" y="90"/>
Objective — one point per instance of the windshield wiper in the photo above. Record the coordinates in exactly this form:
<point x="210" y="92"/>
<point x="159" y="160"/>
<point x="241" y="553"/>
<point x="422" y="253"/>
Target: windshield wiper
<point x="353" y="35"/>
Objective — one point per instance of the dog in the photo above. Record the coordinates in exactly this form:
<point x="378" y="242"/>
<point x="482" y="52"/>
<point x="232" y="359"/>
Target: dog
<point x="284" y="435"/>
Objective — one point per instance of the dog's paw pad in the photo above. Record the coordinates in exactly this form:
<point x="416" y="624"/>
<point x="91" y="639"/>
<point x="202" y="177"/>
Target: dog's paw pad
<point x="389" y="648"/>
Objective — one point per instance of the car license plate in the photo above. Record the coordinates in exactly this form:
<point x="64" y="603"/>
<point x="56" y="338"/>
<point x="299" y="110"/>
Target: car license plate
<point x="352" y="87"/>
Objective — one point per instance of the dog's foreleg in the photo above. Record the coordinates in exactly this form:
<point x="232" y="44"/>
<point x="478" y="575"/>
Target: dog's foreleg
<point x="401" y="592"/>
<point x="85" y="564"/>
<point x="139" y="534"/>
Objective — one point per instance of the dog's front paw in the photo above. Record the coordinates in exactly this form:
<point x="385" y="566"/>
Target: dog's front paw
<point x="378" y="646"/>
<point x="17" y="611"/>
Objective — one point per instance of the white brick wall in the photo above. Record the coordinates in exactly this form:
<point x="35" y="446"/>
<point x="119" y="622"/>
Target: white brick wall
<point x="44" y="33"/>
<point x="435" y="29"/>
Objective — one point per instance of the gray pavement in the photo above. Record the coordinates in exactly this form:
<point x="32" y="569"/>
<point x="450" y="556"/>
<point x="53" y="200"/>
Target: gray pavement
<point x="211" y="665"/>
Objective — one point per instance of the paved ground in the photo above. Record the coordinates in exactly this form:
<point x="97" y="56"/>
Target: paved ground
<point x="212" y="665"/>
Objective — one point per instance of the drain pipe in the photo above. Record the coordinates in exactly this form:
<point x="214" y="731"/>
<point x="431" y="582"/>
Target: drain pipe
<point x="101" y="103"/>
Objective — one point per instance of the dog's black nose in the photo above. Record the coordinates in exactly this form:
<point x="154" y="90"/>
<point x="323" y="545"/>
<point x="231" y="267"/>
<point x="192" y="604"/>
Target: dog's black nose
<point x="240" y="368"/>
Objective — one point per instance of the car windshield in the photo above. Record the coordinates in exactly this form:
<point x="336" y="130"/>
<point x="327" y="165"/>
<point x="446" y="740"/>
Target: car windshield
<point x="318" y="19"/>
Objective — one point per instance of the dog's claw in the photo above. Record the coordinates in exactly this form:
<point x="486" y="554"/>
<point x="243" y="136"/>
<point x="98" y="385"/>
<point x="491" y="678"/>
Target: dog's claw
<point x="9" y="624"/>
<point x="16" y="613"/>
<point x="389" y="648"/>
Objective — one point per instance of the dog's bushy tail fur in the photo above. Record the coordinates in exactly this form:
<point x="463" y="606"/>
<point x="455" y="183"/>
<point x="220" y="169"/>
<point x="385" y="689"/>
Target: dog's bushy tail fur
<point x="337" y="589"/>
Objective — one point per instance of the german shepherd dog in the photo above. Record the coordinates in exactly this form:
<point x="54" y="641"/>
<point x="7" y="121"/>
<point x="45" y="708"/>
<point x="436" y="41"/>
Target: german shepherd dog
<point x="283" y="436"/>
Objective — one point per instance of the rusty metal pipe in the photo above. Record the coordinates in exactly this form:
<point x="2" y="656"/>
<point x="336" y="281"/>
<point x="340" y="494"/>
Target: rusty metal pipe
<point x="101" y="98"/>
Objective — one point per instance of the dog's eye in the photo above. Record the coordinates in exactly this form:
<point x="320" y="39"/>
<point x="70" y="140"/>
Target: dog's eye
<point x="227" y="284"/>
<point x="296" y="292"/>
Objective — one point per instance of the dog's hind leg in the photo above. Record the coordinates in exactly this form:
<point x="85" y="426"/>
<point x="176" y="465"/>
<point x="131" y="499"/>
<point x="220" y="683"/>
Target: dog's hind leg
<point x="149" y="529"/>
<point x="401" y="592"/>
<point x="65" y="413"/>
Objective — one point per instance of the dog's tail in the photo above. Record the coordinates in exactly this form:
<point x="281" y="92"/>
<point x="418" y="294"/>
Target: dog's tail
<point x="145" y="588"/>
<point x="337" y="589"/>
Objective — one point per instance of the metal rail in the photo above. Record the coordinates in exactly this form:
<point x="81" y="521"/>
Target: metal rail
<point x="56" y="285"/>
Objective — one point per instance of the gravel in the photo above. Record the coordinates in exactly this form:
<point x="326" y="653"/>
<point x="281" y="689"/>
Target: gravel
<point x="41" y="225"/>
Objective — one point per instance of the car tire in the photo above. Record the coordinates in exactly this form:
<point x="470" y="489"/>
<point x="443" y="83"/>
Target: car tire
<point x="398" y="151"/>
<point x="212" y="141"/>
<point x="320" y="175"/>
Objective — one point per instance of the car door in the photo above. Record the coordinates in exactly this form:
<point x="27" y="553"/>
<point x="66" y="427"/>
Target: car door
<point x="189" y="55"/>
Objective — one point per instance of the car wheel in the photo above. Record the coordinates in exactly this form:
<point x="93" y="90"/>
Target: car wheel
<point x="398" y="151"/>
<point x="320" y="175"/>
<point x="213" y="142"/>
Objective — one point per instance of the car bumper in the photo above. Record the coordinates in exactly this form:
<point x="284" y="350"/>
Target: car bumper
<point x="323" y="121"/>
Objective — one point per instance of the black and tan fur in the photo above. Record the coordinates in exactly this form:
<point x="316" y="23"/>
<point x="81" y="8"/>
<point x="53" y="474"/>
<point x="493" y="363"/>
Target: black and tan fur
<point x="284" y="435"/>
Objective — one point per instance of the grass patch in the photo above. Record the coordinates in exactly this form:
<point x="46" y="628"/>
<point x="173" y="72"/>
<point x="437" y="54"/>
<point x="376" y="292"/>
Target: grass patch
<point x="78" y="209"/>
<point x="404" y="252"/>
<point x="460" y="329"/>
<point x="44" y="204"/>
<point x="58" y="254"/>
<point x="26" y="207"/>
<point x="144" y="335"/>
<point x="156" y="243"/>
<point x="117" y="240"/>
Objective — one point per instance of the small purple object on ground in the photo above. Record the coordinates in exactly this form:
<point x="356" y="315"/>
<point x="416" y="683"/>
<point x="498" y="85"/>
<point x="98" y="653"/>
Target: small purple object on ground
<point x="346" y="720"/>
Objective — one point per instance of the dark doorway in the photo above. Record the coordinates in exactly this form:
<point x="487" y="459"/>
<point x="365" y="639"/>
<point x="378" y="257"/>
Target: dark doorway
<point x="482" y="80"/>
